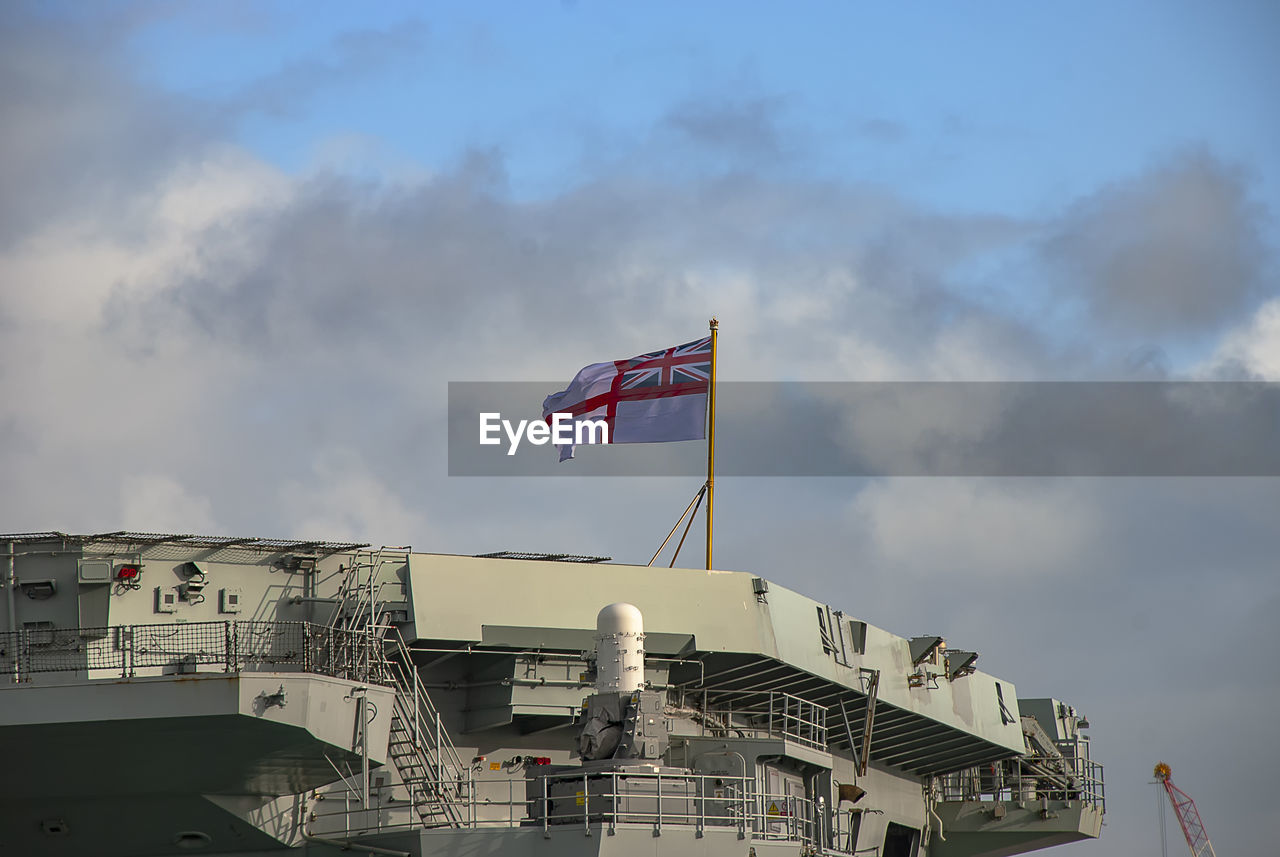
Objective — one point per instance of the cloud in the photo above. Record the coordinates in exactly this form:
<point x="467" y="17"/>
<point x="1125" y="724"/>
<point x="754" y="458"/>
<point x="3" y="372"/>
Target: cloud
<point x="356" y="504"/>
<point x="351" y="58"/>
<point x="81" y="136"/>
<point x="1176" y="250"/>
<point x="154" y="503"/>
<point x="1253" y="349"/>
<point x="747" y="126"/>
<point x="974" y="529"/>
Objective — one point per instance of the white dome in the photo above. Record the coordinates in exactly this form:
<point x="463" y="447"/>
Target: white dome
<point x="620" y="618"/>
<point x="619" y="649"/>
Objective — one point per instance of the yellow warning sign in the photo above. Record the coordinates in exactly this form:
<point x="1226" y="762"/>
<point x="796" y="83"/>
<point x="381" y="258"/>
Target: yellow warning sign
<point x="773" y="809"/>
<point x="495" y="766"/>
<point x="581" y="800"/>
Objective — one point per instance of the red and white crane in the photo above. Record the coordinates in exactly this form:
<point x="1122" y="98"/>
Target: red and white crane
<point x="1188" y="816"/>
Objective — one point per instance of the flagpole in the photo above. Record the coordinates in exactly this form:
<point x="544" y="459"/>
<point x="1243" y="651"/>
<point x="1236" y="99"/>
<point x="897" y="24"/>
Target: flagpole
<point x="711" y="442"/>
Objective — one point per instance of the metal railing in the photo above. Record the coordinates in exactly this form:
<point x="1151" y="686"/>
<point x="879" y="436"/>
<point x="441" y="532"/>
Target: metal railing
<point x="759" y="714"/>
<point x="229" y="647"/>
<point x="608" y="799"/>
<point x="587" y="803"/>
<point x="1029" y="778"/>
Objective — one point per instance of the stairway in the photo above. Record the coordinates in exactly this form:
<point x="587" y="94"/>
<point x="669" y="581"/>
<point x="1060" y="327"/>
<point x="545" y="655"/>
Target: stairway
<point x="438" y="783"/>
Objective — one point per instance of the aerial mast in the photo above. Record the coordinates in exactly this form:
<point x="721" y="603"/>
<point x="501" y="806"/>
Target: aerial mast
<point x="1188" y="816"/>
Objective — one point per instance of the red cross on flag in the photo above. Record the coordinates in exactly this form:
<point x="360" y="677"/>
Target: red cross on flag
<point x="654" y="398"/>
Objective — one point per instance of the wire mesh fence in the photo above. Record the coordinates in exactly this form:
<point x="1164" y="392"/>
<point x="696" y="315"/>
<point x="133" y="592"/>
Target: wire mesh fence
<point x="232" y="646"/>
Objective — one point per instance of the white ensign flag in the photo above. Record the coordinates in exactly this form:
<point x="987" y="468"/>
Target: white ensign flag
<point x="653" y="398"/>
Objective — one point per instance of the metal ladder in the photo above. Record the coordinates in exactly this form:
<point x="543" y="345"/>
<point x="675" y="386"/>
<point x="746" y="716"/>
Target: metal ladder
<point x="438" y="783"/>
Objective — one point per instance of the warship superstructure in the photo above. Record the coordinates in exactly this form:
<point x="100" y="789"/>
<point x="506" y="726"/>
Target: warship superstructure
<point x="177" y="694"/>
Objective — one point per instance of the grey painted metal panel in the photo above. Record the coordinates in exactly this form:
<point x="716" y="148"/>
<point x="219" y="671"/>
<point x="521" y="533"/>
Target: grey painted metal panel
<point x="456" y="598"/>
<point x="973" y="827"/>
<point x="211" y="732"/>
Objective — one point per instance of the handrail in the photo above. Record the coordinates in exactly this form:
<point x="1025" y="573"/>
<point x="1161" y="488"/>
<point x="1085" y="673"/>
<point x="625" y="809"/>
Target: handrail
<point x="1031" y="776"/>
<point x="412" y="683"/>
<point x="579" y="800"/>
<point x="771" y="713"/>
<point x="444" y="779"/>
<point x="577" y="803"/>
<point x="426" y="760"/>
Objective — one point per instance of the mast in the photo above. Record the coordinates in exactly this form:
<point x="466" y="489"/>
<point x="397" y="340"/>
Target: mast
<point x="711" y="442"/>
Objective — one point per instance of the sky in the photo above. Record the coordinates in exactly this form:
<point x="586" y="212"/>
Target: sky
<point x="244" y="247"/>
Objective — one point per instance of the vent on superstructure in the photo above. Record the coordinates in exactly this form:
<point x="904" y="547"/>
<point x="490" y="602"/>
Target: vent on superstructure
<point x="544" y="557"/>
